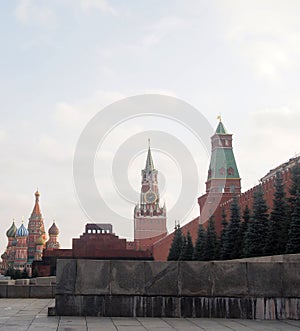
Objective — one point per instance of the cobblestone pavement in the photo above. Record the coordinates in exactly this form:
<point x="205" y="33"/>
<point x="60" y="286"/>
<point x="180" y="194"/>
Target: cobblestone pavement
<point x="31" y="315"/>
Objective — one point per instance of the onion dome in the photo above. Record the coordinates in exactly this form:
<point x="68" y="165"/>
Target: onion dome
<point x="53" y="230"/>
<point x="15" y="241"/>
<point x="22" y="231"/>
<point x="11" y="232"/>
<point x="4" y="256"/>
<point x="40" y="240"/>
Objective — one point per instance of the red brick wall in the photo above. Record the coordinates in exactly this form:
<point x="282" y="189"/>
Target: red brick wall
<point x="246" y="198"/>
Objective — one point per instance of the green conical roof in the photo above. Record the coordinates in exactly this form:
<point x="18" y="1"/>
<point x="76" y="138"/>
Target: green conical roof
<point x="221" y="128"/>
<point x="149" y="162"/>
<point x="222" y="164"/>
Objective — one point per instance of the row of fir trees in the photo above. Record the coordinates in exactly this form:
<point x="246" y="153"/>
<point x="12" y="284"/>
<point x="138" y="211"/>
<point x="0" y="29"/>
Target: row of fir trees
<point x="248" y="234"/>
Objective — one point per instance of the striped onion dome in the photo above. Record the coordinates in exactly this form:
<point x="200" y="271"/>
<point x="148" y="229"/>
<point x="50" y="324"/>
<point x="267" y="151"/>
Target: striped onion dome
<point x="11" y="232"/>
<point x="53" y="229"/>
<point x="22" y="231"/>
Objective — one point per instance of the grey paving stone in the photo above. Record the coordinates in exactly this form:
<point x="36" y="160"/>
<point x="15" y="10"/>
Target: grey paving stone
<point x="13" y="328"/>
<point x="101" y="327"/>
<point x="130" y="328"/>
<point x="72" y="328"/>
<point x="31" y="315"/>
<point x="155" y="328"/>
<point x="234" y="325"/>
<point x="42" y="328"/>
<point x="125" y="321"/>
<point x="153" y="322"/>
<point x="182" y="324"/>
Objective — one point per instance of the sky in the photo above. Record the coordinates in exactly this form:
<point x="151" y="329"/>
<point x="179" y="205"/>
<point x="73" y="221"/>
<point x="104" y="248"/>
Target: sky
<point x="63" y="61"/>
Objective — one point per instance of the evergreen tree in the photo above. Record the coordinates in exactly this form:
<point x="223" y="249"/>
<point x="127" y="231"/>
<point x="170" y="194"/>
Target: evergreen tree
<point x="183" y="248"/>
<point x="293" y="244"/>
<point x="187" y="248"/>
<point x="24" y="274"/>
<point x="211" y="244"/>
<point x="199" y="249"/>
<point x="277" y="234"/>
<point x="232" y="245"/>
<point x="10" y="272"/>
<point x="223" y="235"/>
<point x="243" y="228"/>
<point x="295" y="185"/>
<point x="176" y="246"/>
<point x="18" y="274"/>
<point x="35" y="273"/>
<point x="255" y="237"/>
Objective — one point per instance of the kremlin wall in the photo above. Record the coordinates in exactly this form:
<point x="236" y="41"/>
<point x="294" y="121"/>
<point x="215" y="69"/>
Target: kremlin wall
<point x="28" y="247"/>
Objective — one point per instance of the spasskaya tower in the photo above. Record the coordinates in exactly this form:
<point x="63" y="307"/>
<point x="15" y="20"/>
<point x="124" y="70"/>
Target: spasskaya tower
<point x="149" y="216"/>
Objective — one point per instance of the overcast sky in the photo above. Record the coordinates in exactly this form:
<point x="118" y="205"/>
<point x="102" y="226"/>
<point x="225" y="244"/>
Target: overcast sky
<point x="62" y="61"/>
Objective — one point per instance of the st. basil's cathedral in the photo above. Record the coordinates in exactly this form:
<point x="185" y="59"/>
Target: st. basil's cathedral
<point x="26" y="245"/>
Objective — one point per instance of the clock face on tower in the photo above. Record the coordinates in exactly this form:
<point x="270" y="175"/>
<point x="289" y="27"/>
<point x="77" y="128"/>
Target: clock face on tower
<point x="150" y="197"/>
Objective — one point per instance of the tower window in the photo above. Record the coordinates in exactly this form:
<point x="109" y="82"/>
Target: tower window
<point x="222" y="171"/>
<point x="221" y="189"/>
<point x="230" y="171"/>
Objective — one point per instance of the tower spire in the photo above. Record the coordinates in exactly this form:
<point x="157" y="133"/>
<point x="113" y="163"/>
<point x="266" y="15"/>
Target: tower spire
<point x="221" y="128"/>
<point x="149" y="162"/>
<point x="36" y="208"/>
<point x="35" y="227"/>
<point x="149" y="217"/>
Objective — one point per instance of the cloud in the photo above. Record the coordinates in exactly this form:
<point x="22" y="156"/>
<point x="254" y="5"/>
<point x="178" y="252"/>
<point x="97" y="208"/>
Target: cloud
<point x="161" y="29"/>
<point x="53" y="149"/>
<point x="3" y="135"/>
<point x="273" y="139"/>
<point x="101" y="5"/>
<point x="72" y="116"/>
<point x="266" y="34"/>
<point x="150" y="35"/>
<point x="67" y="115"/>
<point x="28" y="11"/>
<point x="283" y="118"/>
